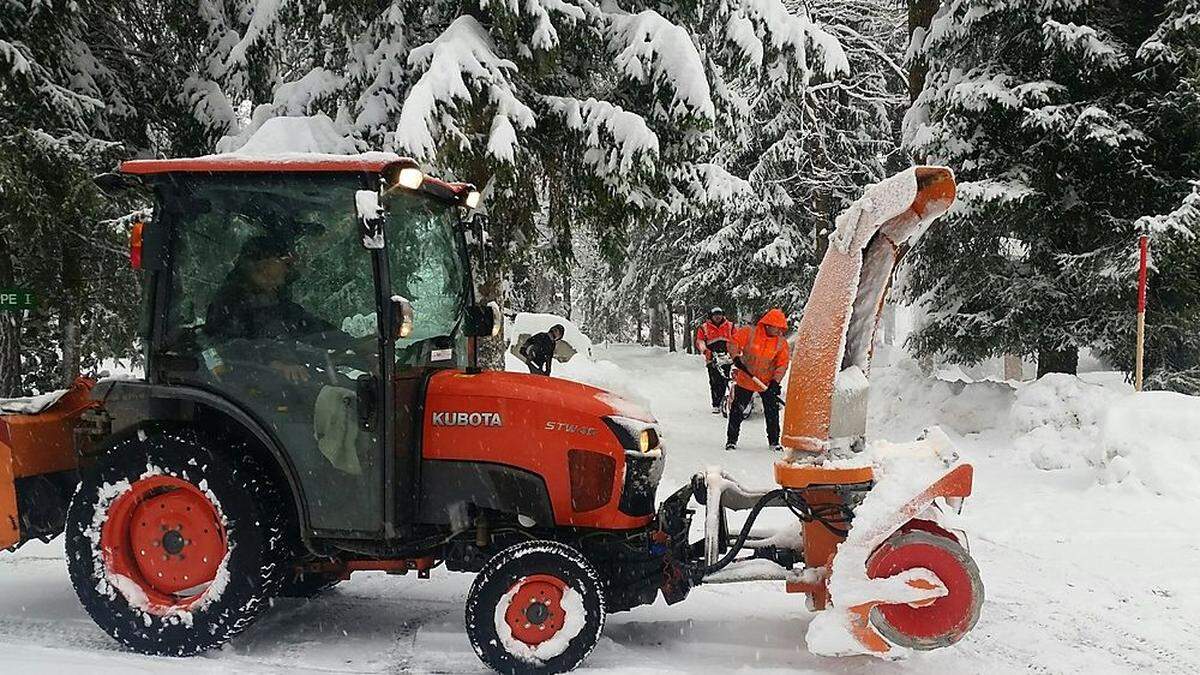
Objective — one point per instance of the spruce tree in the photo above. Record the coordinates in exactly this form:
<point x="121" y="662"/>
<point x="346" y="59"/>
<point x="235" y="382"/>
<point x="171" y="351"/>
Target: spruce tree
<point x="1055" y="117"/>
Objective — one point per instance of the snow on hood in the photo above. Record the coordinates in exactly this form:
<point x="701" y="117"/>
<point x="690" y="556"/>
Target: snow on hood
<point x="30" y="405"/>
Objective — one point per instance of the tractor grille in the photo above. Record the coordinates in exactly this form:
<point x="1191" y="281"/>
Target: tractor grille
<point x="642" y="474"/>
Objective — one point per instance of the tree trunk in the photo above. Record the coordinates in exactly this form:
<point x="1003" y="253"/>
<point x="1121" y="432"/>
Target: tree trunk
<point x="567" y="292"/>
<point x="638" y="339"/>
<point x="920" y="15"/>
<point x="72" y="285"/>
<point x="656" y="325"/>
<point x="1013" y="368"/>
<point x="490" y="350"/>
<point x="823" y="226"/>
<point x="10" y="331"/>
<point x="688" y="317"/>
<point x="1057" y="361"/>
<point x="670" y="328"/>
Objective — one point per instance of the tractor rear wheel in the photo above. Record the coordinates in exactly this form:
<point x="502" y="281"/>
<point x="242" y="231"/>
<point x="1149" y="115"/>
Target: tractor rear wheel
<point x="537" y="607"/>
<point x="943" y="621"/>
<point x="167" y="546"/>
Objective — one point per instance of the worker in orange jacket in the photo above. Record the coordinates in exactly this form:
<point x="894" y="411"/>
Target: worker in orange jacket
<point x="712" y="338"/>
<point x="760" y="358"/>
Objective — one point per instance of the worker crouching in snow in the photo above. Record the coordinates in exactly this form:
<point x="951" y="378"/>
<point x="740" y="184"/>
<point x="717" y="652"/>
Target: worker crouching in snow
<point x="760" y="358"/>
<point x="538" y="350"/>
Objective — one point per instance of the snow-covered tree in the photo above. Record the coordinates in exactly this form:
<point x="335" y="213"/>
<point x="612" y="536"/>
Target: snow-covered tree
<point x="65" y="101"/>
<point x="798" y="154"/>
<point x="1067" y="122"/>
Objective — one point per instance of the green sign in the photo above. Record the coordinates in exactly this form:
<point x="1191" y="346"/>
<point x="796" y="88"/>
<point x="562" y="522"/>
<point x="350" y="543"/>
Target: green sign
<point x="16" y="299"/>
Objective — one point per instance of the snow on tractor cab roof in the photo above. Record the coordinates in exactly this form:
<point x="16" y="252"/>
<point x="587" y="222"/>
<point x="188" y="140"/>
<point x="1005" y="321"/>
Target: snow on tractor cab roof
<point x="394" y="168"/>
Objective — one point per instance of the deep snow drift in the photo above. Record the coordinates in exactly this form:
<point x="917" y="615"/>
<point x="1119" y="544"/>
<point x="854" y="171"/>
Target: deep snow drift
<point x="1088" y="568"/>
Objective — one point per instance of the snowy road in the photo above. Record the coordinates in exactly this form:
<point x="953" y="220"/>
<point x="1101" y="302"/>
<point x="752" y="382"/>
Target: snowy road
<point x="1079" y="578"/>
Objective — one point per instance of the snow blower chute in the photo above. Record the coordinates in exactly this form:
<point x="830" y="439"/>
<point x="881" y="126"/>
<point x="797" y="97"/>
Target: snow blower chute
<point x="873" y="545"/>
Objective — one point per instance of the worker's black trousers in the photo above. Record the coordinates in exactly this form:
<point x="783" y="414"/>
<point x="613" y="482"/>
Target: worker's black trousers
<point x="718" y="381"/>
<point x="741" y="402"/>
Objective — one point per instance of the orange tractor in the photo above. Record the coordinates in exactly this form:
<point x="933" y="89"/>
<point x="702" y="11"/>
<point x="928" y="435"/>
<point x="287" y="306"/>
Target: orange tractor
<point x="312" y="407"/>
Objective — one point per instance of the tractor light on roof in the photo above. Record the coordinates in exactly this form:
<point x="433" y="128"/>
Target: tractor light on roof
<point x="473" y="199"/>
<point x="410" y="177"/>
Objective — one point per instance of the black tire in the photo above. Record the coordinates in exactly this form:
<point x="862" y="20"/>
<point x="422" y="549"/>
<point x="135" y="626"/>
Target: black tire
<point x="501" y="576"/>
<point x="246" y="578"/>
<point x="308" y="585"/>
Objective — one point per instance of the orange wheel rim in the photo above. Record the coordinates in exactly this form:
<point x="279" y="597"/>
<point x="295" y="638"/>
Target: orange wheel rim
<point x="165" y="535"/>
<point x="536" y="613"/>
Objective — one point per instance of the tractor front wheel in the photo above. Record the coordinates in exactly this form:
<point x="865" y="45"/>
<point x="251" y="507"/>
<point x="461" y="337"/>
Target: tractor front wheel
<point x="167" y="546"/>
<point x="537" y="607"/>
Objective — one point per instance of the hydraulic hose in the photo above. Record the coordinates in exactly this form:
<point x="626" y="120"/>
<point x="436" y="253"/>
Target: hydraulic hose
<point x="745" y="533"/>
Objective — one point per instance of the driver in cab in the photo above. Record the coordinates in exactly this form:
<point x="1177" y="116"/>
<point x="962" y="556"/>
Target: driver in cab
<point x="254" y="303"/>
<point x="254" y="309"/>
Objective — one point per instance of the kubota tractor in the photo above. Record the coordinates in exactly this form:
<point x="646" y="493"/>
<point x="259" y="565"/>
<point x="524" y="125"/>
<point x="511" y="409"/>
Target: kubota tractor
<point x="311" y="407"/>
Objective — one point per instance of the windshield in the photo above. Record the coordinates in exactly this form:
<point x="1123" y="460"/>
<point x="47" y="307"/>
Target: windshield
<point x="266" y="241"/>
<point x="426" y="265"/>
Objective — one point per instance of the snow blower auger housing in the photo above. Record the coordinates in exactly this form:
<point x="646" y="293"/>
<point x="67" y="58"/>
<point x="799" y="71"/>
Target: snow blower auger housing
<point x="873" y="545"/>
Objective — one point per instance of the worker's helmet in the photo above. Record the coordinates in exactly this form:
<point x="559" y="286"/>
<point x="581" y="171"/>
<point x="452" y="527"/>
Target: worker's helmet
<point x="715" y="311"/>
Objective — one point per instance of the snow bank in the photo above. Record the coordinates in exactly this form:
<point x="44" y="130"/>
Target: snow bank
<point x="580" y="367"/>
<point x="904" y="401"/>
<point x="528" y="323"/>
<point x="1152" y="439"/>
<point x="1056" y="421"/>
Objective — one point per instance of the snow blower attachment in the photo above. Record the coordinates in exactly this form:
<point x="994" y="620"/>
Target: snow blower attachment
<point x="873" y="541"/>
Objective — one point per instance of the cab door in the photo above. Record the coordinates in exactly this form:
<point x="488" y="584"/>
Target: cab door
<point x="273" y="306"/>
<point x="425" y="264"/>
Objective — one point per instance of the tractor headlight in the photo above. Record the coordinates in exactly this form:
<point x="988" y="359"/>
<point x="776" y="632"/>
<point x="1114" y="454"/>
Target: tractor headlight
<point x="473" y="199"/>
<point x="410" y="177"/>
<point x="636" y="436"/>
<point x="647" y="440"/>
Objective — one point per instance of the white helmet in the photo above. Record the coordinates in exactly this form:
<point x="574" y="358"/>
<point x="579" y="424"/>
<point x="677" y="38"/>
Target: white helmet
<point x="715" y="310"/>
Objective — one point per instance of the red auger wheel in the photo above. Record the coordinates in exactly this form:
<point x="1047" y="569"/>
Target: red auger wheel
<point x="936" y="623"/>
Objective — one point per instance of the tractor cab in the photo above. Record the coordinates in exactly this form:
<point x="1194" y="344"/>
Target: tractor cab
<point x="273" y="287"/>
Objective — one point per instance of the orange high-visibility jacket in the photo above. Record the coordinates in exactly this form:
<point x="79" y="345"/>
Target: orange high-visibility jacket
<point x="767" y="357"/>
<point x="710" y="332"/>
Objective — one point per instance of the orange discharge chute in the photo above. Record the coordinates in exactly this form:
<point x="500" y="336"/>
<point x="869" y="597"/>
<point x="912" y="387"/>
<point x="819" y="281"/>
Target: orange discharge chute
<point x="827" y="387"/>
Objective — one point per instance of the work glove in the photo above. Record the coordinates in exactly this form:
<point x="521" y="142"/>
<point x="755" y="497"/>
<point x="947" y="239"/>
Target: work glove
<point x="774" y="392"/>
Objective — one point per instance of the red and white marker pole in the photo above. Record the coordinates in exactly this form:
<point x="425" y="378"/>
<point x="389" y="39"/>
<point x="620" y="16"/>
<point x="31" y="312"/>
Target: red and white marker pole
<point x="1144" y="246"/>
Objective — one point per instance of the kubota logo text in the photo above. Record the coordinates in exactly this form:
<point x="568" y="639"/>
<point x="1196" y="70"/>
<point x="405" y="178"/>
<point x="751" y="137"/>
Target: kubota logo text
<point x="467" y="419"/>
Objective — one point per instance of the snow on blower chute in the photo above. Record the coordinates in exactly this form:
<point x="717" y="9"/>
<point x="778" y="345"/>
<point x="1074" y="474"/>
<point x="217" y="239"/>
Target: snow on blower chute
<point x="254" y="463"/>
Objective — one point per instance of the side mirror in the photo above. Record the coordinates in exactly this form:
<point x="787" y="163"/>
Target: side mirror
<point x="370" y="218"/>
<point x="402" y="317"/>
<point x="483" y="320"/>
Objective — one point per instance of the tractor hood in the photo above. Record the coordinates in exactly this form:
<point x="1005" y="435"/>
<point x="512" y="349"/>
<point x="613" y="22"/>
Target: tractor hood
<point x="596" y="456"/>
<point x="550" y="392"/>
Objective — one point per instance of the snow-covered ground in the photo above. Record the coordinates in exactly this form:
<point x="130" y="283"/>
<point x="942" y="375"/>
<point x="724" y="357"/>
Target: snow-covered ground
<point x="1084" y="528"/>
